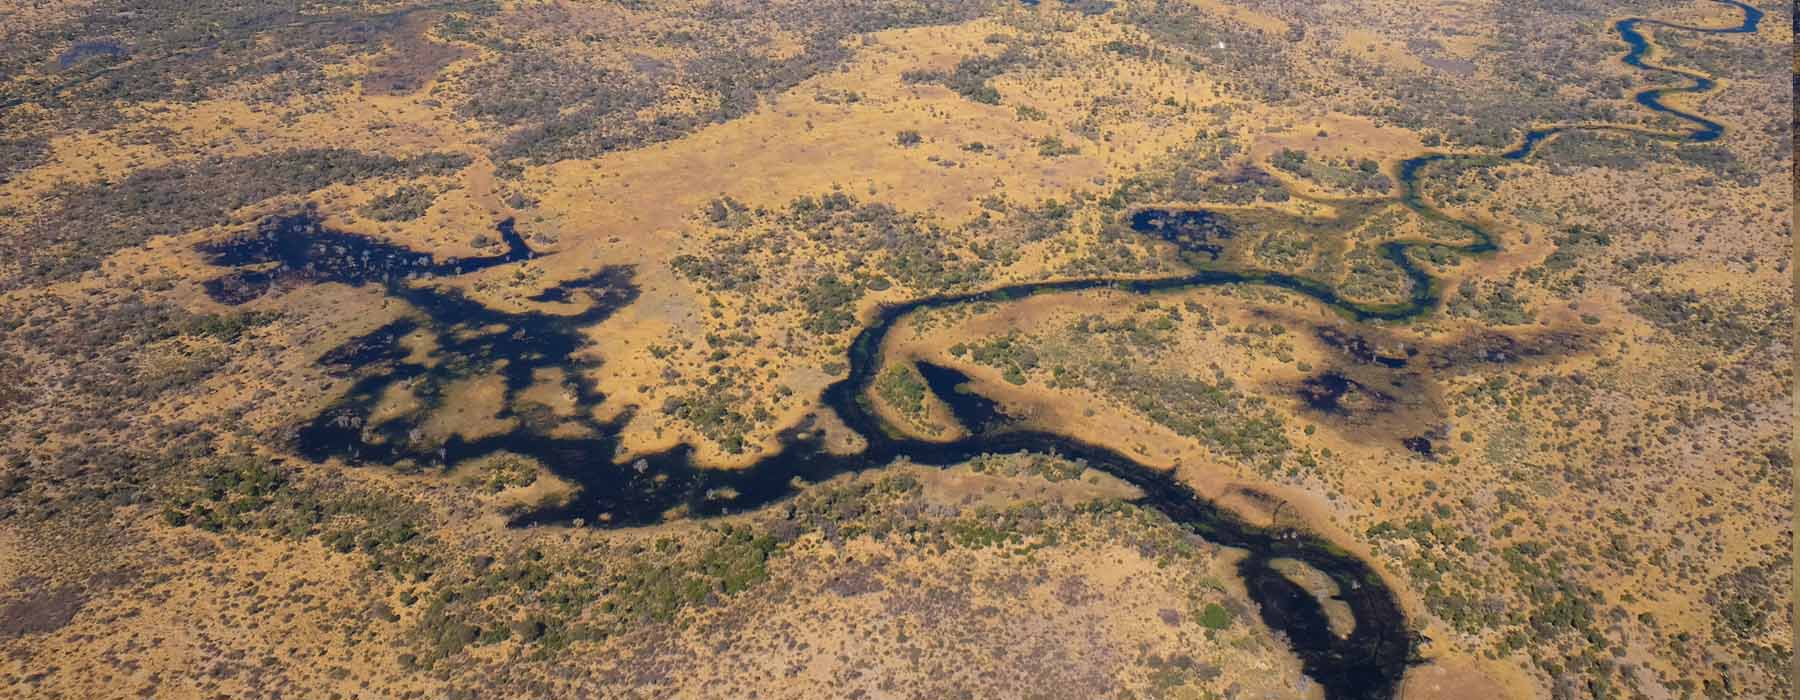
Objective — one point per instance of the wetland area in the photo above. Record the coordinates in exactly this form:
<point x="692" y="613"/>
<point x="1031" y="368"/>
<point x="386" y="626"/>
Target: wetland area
<point x="539" y="338"/>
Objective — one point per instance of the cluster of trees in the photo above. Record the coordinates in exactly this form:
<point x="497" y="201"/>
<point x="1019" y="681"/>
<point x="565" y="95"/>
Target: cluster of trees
<point x="910" y="248"/>
<point x="1632" y="152"/>
<point x="1369" y="275"/>
<point x="971" y="77"/>
<point x="1519" y="595"/>
<point x="249" y="493"/>
<point x="1284" y="249"/>
<point x="405" y="203"/>
<point x="1011" y="354"/>
<point x="901" y="387"/>
<point x="1355" y="175"/>
<point x="1047" y="467"/>
<point x="1197" y="171"/>
<point x="1716" y="319"/>
<point x="830" y="304"/>
<point x="1495" y="303"/>
<point x="1055" y="147"/>
<point x="504" y="471"/>
<point x="1111" y="363"/>
<point x="551" y="602"/>
<point x="722" y="409"/>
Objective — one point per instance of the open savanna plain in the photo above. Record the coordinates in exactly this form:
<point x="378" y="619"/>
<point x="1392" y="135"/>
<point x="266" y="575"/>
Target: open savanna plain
<point x="317" y="321"/>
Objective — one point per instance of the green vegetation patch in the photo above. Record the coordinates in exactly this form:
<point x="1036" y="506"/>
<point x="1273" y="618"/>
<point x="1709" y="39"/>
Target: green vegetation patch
<point x="1214" y="617"/>
<point x="723" y="408"/>
<point x="1717" y="319"/>
<point x="250" y="494"/>
<point x="503" y="471"/>
<point x="901" y="387"/>
<point x="1495" y="303"/>
<point x="1012" y="354"/>
<point x="406" y="203"/>
<point x="1359" y="176"/>
<point x="971" y="76"/>
<point x="1197" y="172"/>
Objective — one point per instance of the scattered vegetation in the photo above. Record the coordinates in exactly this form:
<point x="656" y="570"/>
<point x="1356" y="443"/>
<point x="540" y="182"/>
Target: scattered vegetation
<point x="559" y="95"/>
<point x="247" y="493"/>
<point x="91" y="222"/>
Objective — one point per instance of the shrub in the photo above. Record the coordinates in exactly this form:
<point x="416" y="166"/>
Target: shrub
<point x="1215" y="617"/>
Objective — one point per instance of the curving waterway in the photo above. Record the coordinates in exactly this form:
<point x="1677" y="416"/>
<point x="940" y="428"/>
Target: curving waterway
<point x="1368" y="662"/>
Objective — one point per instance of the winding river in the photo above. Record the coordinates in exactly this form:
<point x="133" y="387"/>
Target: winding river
<point x="1369" y="662"/>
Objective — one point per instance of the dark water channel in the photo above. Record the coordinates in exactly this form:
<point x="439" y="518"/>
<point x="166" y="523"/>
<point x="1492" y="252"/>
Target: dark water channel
<point x="469" y="338"/>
